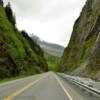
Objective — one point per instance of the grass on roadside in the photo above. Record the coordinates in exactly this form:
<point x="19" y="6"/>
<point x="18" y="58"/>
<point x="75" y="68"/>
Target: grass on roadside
<point x="13" y="78"/>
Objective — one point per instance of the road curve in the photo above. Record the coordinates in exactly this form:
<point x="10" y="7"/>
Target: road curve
<point x="47" y="86"/>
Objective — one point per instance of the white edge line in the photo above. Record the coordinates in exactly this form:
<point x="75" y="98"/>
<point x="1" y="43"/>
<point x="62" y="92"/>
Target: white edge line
<point x="66" y="92"/>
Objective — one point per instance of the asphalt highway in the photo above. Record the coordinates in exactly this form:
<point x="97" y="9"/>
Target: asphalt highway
<point x="47" y="86"/>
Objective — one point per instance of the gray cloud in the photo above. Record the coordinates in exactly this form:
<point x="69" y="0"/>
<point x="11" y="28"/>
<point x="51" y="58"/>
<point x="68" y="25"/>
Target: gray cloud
<point x="47" y="18"/>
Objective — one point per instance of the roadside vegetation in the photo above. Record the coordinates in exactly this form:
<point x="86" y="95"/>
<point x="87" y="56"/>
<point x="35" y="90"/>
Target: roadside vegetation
<point x="53" y="62"/>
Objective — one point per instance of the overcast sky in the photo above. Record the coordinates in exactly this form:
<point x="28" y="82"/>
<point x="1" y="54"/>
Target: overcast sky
<point x="51" y="20"/>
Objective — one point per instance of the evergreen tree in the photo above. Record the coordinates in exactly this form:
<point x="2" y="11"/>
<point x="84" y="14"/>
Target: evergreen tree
<point x="1" y="2"/>
<point x="9" y="14"/>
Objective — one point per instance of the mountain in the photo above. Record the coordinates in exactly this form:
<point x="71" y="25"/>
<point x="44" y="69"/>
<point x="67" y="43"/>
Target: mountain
<point x="82" y="56"/>
<point x="50" y="48"/>
<point x="52" y="53"/>
<point x="19" y="54"/>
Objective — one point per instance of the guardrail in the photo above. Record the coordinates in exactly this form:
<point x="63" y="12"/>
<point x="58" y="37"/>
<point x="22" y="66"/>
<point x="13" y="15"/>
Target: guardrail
<point x="86" y="87"/>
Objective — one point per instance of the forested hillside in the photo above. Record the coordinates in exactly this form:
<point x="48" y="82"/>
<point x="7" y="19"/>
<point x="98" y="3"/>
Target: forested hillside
<point x="19" y="54"/>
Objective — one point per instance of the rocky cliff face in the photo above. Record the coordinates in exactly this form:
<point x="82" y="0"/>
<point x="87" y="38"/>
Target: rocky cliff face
<point x="82" y="56"/>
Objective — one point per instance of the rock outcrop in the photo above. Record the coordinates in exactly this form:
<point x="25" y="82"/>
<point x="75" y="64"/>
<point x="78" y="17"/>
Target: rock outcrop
<point x="82" y="56"/>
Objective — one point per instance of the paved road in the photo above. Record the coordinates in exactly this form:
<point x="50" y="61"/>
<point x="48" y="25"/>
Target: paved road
<point x="47" y="86"/>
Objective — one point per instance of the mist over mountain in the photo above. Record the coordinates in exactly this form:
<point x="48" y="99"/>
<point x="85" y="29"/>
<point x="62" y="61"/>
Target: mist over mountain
<point x="50" y="48"/>
<point x="52" y="52"/>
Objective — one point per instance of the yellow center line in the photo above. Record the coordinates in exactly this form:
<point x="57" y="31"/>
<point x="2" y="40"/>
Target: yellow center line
<point x="66" y="92"/>
<point x="13" y="95"/>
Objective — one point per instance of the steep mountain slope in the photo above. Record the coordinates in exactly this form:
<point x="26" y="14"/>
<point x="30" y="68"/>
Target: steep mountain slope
<point x="19" y="54"/>
<point x="82" y="56"/>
